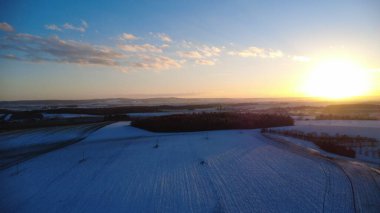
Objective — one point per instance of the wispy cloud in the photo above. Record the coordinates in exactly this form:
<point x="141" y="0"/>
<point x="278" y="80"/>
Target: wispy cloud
<point x="210" y="51"/>
<point x="84" y="23"/>
<point x="157" y="63"/>
<point x="202" y="55"/>
<point x="190" y="54"/>
<point x="10" y="56"/>
<point x="52" y="27"/>
<point x="39" y="49"/>
<point x="67" y="26"/>
<point x="6" y="27"/>
<point x="164" y="37"/>
<point x="141" y="48"/>
<point x="124" y="57"/>
<point x="127" y="36"/>
<point x="258" y="52"/>
<point x="33" y="48"/>
<point x="205" y="62"/>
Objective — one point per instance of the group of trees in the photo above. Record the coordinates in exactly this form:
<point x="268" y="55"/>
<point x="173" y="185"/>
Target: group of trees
<point x="212" y="121"/>
<point x="339" y="144"/>
<point x="26" y="115"/>
<point x="126" y="109"/>
<point x="343" y="117"/>
<point x="116" y="117"/>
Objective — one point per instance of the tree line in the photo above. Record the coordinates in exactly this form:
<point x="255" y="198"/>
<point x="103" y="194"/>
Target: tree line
<point x="338" y="144"/>
<point x="343" y="117"/>
<point x="212" y="121"/>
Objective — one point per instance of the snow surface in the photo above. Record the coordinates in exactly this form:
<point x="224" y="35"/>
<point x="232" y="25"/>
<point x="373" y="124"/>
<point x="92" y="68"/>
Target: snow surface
<point x="117" y="169"/>
<point x="55" y="116"/>
<point x="351" y="128"/>
<point x="41" y="136"/>
<point x="152" y="114"/>
<point x="352" y="123"/>
<point x="7" y="117"/>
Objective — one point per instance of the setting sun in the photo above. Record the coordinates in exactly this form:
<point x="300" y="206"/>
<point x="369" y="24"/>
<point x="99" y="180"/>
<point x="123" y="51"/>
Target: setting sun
<point x="336" y="79"/>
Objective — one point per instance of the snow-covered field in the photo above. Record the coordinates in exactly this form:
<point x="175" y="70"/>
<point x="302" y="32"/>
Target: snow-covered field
<point x="67" y="115"/>
<point x="16" y="146"/>
<point x="352" y="123"/>
<point x="41" y="136"/>
<point x="346" y="127"/>
<point x="119" y="168"/>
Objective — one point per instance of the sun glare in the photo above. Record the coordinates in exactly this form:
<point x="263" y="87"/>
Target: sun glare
<point x="337" y="79"/>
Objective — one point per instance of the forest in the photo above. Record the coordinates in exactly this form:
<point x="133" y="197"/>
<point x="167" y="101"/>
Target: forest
<point x="212" y="121"/>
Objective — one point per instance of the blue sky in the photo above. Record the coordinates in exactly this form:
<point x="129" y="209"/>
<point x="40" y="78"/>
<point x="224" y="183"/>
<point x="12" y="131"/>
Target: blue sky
<point x="101" y="49"/>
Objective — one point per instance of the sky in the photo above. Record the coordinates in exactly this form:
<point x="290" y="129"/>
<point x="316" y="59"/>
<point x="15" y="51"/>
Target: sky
<point x="191" y="49"/>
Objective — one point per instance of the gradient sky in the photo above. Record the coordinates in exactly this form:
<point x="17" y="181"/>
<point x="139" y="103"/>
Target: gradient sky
<point x="107" y="49"/>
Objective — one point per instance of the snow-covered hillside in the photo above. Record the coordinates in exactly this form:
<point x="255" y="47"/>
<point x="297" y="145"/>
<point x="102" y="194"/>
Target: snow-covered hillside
<point x="349" y="127"/>
<point x="351" y="123"/>
<point x="123" y="169"/>
<point x="17" y="146"/>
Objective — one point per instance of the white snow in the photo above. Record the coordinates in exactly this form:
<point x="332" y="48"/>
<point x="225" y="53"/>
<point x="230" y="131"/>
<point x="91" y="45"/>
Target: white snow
<point x="117" y="169"/>
<point x="67" y="115"/>
<point x="352" y="123"/>
<point x="343" y="127"/>
<point x="27" y="138"/>
<point x="7" y="117"/>
<point x="152" y="114"/>
<point x="117" y="131"/>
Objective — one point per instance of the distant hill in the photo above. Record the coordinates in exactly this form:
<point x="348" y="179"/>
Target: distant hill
<point x="101" y="103"/>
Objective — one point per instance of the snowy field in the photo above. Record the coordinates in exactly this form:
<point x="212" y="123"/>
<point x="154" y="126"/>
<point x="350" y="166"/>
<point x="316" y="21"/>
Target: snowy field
<point x="16" y="146"/>
<point x="352" y="123"/>
<point x="67" y="115"/>
<point x="346" y="127"/>
<point x="119" y="168"/>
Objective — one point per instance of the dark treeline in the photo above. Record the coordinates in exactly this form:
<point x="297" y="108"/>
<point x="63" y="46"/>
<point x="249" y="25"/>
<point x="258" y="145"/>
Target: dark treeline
<point x="212" y="121"/>
<point x="343" y="117"/>
<point x="338" y="144"/>
<point x="117" y="110"/>
<point x="27" y="120"/>
<point x="29" y="124"/>
<point x="340" y="107"/>
<point x="26" y="115"/>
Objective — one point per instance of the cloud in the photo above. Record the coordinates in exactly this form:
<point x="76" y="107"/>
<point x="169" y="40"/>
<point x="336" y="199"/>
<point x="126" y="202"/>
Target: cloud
<point x="157" y="63"/>
<point x="203" y="55"/>
<point x="190" y="54"/>
<point x="52" y="27"/>
<point x="33" y="48"/>
<point x="300" y="58"/>
<point x="205" y="62"/>
<point x="164" y="37"/>
<point x="9" y="56"/>
<point x="6" y="27"/>
<point x="141" y="48"/>
<point x="84" y="23"/>
<point x="209" y="51"/>
<point x="258" y="52"/>
<point x="127" y="36"/>
<point x="67" y="26"/>
<point x="165" y="46"/>
<point x="53" y="49"/>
